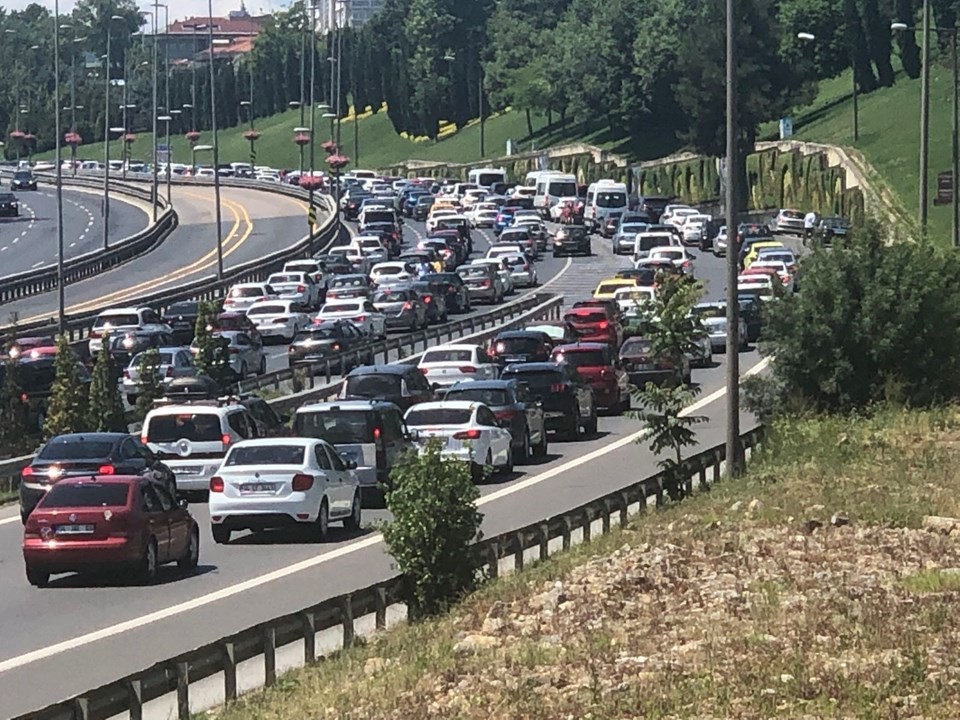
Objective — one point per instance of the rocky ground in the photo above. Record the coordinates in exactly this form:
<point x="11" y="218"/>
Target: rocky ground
<point x="816" y="588"/>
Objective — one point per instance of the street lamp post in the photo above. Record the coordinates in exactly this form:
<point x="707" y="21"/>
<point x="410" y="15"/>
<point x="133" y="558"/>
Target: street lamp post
<point x="925" y="130"/>
<point x="106" y="134"/>
<point x="166" y="120"/>
<point x="61" y="309"/>
<point x="216" y="145"/>
<point x="154" y="181"/>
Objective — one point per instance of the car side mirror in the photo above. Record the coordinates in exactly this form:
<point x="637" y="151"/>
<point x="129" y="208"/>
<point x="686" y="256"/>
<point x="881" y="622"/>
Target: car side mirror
<point x="182" y="503"/>
<point x="350" y="464"/>
<point x="413" y="435"/>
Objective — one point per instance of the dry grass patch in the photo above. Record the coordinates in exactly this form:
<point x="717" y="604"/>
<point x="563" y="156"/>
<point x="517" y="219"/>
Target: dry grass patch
<point x="808" y="589"/>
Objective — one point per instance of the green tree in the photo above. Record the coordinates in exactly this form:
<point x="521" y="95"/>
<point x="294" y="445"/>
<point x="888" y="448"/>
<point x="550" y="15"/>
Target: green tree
<point x="435" y="525"/>
<point x="67" y="411"/>
<point x="105" y="406"/>
<point x="150" y="385"/>
<point x="14" y="413"/>
<point x="213" y="357"/>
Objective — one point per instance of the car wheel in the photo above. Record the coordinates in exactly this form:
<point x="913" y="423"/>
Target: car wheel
<point x="591" y="428"/>
<point x="352" y="523"/>
<point x="477" y="473"/>
<point x="147" y="569"/>
<point x="321" y="526"/>
<point x="191" y="558"/>
<point x="525" y="449"/>
<point x="263" y="365"/>
<point x="507" y="469"/>
<point x="36" y="577"/>
<point x="540" y="449"/>
<point x="221" y="534"/>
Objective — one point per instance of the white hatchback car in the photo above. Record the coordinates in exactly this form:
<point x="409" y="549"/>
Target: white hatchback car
<point x="281" y="319"/>
<point x="449" y="364"/>
<point x="119" y="320"/>
<point x="242" y="295"/>
<point x="391" y="272"/>
<point x="503" y="271"/>
<point x="296" y="286"/>
<point x="360" y="311"/>
<point x="284" y="482"/>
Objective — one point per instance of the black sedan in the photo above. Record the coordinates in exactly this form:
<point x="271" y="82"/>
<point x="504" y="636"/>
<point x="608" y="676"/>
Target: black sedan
<point x="9" y="205"/>
<point x="80" y="454"/>
<point x="516" y="411"/>
<point x="337" y="340"/>
<point x="520" y="346"/>
<point x="23" y="180"/>
<point x="572" y="240"/>
<point x="124" y="346"/>
<point x="458" y="295"/>
<point x="182" y="319"/>
<point x="434" y="296"/>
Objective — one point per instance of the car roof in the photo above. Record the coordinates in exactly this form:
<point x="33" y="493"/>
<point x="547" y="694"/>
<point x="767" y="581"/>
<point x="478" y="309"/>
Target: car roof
<point x="121" y="310"/>
<point x="350" y="405"/>
<point x="91" y="436"/>
<point x="580" y="346"/>
<point x="483" y="385"/>
<point x="100" y="479"/>
<point x="520" y="333"/>
<point x="383" y="370"/>
<point x="455" y="404"/>
<point x="454" y="346"/>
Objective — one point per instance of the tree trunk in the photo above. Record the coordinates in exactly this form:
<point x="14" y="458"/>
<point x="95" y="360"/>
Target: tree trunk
<point x="529" y="122"/>
<point x="878" y="41"/>
<point x="909" y="52"/>
<point x="856" y="35"/>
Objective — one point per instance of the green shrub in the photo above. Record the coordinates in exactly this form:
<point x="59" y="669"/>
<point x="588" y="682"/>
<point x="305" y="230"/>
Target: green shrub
<point x="435" y="523"/>
<point x="151" y="388"/>
<point x="67" y="411"/>
<point x="105" y="406"/>
<point x="14" y="415"/>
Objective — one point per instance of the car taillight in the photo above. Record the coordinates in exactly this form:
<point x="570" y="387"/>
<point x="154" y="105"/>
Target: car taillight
<point x="301" y="288"/>
<point x="225" y="439"/>
<point x="467" y="435"/>
<point x="603" y="325"/>
<point x="292" y="348"/>
<point x="408" y="306"/>
<point x="106" y="470"/>
<point x="24" y="397"/>
<point x="95" y="334"/>
<point x="376" y="433"/>
<point x="557" y="387"/>
<point x="232" y="351"/>
<point x="468" y="369"/>
<point x="505" y="414"/>
<point x="126" y="373"/>
<point x="425" y="370"/>
<point x="360" y="318"/>
<point x="27" y="472"/>
<point x="485" y="283"/>
<point x="302" y="482"/>
<point x="336" y="347"/>
<point x="216" y="484"/>
<point x="427" y="299"/>
<point x="280" y="320"/>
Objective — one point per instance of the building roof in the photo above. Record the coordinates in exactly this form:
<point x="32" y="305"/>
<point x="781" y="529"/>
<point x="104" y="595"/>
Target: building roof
<point x="222" y="25"/>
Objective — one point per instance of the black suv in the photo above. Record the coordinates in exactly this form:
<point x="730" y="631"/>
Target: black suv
<point x="80" y="454"/>
<point x="572" y="240"/>
<point x="9" y="205"/>
<point x="125" y="346"/>
<point x="23" y="180"/>
<point x="520" y="346"/>
<point x="182" y="319"/>
<point x="568" y="403"/>
<point x="402" y="385"/>
<point x="35" y="376"/>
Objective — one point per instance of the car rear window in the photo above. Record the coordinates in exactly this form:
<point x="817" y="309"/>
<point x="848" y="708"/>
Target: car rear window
<point x="71" y="449"/>
<point x="390" y="296"/>
<point x="517" y="345"/>
<point x="582" y="358"/>
<point x="233" y="322"/>
<point x="493" y="397"/>
<point x="337" y="427"/>
<point x="316" y="334"/>
<point x="165" y="358"/>
<point x="472" y="271"/>
<point x="648" y="242"/>
<point x="373" y="386"/>
<point x="709" y="312"/>
<point x="389" y="270"/>
<point x="86" y="495"/>
<point x="289" y="278"/>
<point x="268" y="310"/>
<point x="117" y="320"/>
<point x="535" y="378"/>
<point x="432" y="356"/>
<point x="245" y="292"/>
<point x="36" y="375"/>
<point x="792" y="214"/>
<point x="341" y="308"/>
<point x="196" y="427"/>
<point x="611" y="200"/>
<point x="587" y="317"/>
<point x="439" y="416"/>
<point x="183" y="308"/>
<point x="266" y="455"/>
<point x="636" y="346"/>
<point x="611" y="287"/>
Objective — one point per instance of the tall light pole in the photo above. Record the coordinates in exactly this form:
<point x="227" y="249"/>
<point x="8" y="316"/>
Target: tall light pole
<point x="154" y="187"/>
<point x="75" y="41"/>
<point x="733" y="454"/>
<point x="165" y="119"/>
<point x="106" y="133"/>
<point x="925" y="118"/>
<point x="954" y="130"/>
<point x="216" y="146"/>
<point x="313" y="85"/>
<point x="61" y="308"/>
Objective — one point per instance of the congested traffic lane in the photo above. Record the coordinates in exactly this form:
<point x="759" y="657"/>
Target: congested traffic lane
<point x="254" y="224"/>
<point x="29" y="241"/>
<point x="87" y="635"/>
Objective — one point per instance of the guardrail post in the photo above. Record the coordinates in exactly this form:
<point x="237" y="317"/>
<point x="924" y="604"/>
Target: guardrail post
<point x="587" y="530"/>
<point x="544" y="541"/>
<point x="81" y="709"/>
<point x="228" y="654"/>
<point x="704" y="485"/>
<point x="660" y="498"/>
<point x="607" y="511"/>
<point x="716" y="466"/>
<point x="326" y="369"/>
<point x="624" y="508"/>
<point x="308" y="623"/>
<point x="135" y="698"/>
<point x="183" y="691"/>
<point x="346" y="616"/>
<point x="518" y="538"/>
<point x="687" y="480"/>
<point x="567" y="531"/>
<point x="493" y="550"/>
<point x="380" y="598"/>
<point x="269" y="655"/>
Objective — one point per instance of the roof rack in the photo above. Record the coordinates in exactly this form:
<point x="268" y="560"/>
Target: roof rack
<point x="190" y="398"/>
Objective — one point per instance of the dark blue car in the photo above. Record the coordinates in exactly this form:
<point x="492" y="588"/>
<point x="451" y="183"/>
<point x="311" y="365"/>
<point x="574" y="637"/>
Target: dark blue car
<point x="504" y="218"/>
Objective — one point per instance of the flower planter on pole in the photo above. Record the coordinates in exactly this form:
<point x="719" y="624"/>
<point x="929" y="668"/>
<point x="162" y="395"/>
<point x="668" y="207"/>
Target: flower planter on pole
<point x="252" y="136"/>
<point x="18" y="140"/>
<point x="302" y="140"/>
<point x="330" y="147"/>
<point x="73" y="139"/>
<point x="193" y="136"/>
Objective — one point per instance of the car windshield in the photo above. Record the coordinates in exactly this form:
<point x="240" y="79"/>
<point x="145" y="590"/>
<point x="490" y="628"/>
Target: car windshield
<point x="266" y="455"/>
<point x="668" y="253"/>
<point x="388" y="270"/>
<point x="388" y="296"/>
<point x="517" y="345"/>
<point x="582" y="358"/>
<point x="836" y="222"/>
<point x="433" y="356"/>
<point x="348" y="282"/>
<point x="233" y="322"/>
<point x="636" y="346"/>
<point x="562" y="188"/>
<point x="536" y="378"/>
<point x="181" y="308"/>
<point x="373" y="386"/>
<point x="197" y="427"/>
<point x="337" y="427"/>
<point x="245" y="292"/>
<point x="633" y="228"/>
<point x="163" y="358"/>
<point x="709" y="311"/>
<point x="438" y="416"/>
<point x="86" y="495"/>
<point x="117" y="321"/>
<point x="472" y="271"/>
<point x="515" y="262"/>
<point x="648" y="242"/>
<point x="341" y="308"/>
<point x="22" y="175"/>
<point x="611" y="199"/>
<point x="74" y="449"/>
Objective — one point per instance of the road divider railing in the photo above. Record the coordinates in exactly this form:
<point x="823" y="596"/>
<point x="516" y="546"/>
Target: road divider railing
<point x="44" y="279"/>
<point x="536" y="541"/>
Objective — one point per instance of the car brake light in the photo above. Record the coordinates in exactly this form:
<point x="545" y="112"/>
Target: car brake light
<point x="603" y="325"/>
<point x="280" y="320"/>
<point x="106" y="470"/>
<point x="126" y="373"/>
<point x="468" y="369"/>
<point x="467" y="435"/>
<point x="301" y="288"/>
<point x="24" y="397"/>
<point x="408" y="306"/>
<point x="557" y="387"/>
<point x="216" y="484"/>
<point x="425" y="370"/>
<point x="225" y="439"/>
<point x="27" y="472"/>
<point x="302" y="482"/>
<point x="376" y="433"/>
<point x="485" y="283"/>
<point x="360" y="318"/>
<point x="95" y="334"/>
<point x="427" y="299"/>
<point x="605" y="373"/>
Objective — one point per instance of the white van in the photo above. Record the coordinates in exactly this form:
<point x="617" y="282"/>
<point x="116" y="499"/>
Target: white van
<point x="533" y="177"/>
<point x="646" y="241"/>
<point x="551" y="189"/>
<point x="486" y="178"/>
<point x="363" y="174"/>
<point x="605" y="199"/>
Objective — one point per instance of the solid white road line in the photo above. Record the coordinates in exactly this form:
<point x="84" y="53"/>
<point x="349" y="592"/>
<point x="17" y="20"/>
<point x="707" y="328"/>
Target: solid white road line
<point x="280" y="573"/>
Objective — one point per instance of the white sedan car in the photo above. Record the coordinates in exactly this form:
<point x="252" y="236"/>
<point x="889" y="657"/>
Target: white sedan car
<point x="281" y="319"/>
<point x="242" y="295"/>
<point x="296" y="286"/>
<point x="437" y="215"/>
<point x="353" y="255"/>
<point x="629" y="298"/>
<point x="468" y="431"/>
<point x="372" y="247"/>
<point x="522" y="271"/>
<point x="679" y="256"/>
<point x="503" y="272"/>
<point x="360" y="311"/>
<point x="781" y="268"/>
<point x="449" y="364"/>
<point x="397" y="271"/>
<point x="282" y="482"/>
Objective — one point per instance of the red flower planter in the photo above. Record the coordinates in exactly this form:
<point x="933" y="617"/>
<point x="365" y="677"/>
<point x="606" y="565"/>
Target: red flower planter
<point x="192" y="136"/>
<point x="337" y="162"/>
<point x="311" y="182"/>
<point x="73" y="139"/>
<point x="301" y="139"/>
<point x="18" y="135"/>
<point x="129" y="138"/>
<point x="251" y="135"/>
<point x="330" y="147"/>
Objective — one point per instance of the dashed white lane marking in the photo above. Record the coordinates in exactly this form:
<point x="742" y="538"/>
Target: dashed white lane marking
<point x="38" y="264"/>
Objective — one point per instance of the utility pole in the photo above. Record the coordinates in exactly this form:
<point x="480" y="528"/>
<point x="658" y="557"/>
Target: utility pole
<point x="925" y="119"/>
<point x="216" y="146"/>
<point x="153" y="188"/>
<point x="61" y="309"/>
<point x="106" y="141"/>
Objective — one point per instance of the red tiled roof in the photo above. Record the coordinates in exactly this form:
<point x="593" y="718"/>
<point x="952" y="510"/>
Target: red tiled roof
<point x="243" y="26"/>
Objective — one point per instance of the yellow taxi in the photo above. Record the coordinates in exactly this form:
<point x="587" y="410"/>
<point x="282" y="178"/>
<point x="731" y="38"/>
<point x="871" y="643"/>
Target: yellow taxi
<point x="607" y="289"/>
<point x="755" y="249"/>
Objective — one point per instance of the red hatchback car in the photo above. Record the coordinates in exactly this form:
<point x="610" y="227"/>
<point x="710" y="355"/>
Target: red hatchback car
<point x="598" y="366"/>
<point x="596" y="324"/>
<point x="94" y="523"/>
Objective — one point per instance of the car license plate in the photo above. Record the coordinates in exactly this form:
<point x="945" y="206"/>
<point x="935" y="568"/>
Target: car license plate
<point x="516" y="359"/>
<point x="189" y="470"/>
<point x="644" y="366"/>
<point x="251" y="488"/>
<point x="74" y="529"/>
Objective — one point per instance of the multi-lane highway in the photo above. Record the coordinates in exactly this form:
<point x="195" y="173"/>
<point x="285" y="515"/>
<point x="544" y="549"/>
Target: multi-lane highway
<point x="81" y="635"/>
<point x="30" y="241"/>
<point x="254" y="224"/>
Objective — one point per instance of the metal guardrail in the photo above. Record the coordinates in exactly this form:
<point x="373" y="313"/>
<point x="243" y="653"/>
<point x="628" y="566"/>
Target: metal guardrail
<point x="175" y="675"/>
<point x="44" y="279"/>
